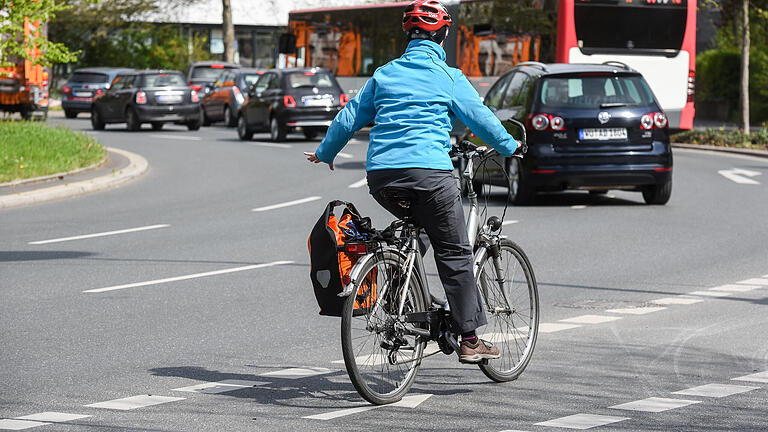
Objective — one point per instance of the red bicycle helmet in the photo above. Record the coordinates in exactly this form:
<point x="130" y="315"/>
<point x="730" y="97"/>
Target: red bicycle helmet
<point x="428" y="15"/>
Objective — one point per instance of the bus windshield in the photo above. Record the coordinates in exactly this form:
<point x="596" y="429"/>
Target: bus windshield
<point x="649" y="27"/>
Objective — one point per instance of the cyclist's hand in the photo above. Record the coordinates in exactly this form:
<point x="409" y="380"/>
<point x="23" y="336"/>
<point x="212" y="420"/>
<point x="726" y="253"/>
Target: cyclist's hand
<point x="520" y="150"/>
<point x="312" y="157"/>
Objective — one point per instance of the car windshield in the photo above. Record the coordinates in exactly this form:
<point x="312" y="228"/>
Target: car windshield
<point x="309" y="79"/>
<point x="250" y="79"/>
<point x="89" y="77"/>
<point x="593" y="90"/>
<point x="164" y="80"/>
<point x="208" y="72"/>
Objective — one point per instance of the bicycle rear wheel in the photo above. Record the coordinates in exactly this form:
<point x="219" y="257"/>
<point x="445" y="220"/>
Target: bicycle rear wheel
<point x="508" y="287"/>
<point x="381" y="359"/>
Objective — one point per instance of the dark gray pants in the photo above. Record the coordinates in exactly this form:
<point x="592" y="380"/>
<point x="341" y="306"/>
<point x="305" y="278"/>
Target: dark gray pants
<point x="436" y="208"/>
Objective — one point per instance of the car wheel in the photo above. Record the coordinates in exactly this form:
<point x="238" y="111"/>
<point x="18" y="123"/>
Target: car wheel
<point x="132" y="120"/>
<point x="157" y="125"/>
<point x="276" y="131"/>
<point x="206" y="120"/>
<point x="658" y="194"/>
<point x="229" y="119"/>
<point x="243" y="132"/>
<point x="70" y="114"/>
<point x="96" y="122"/>
<point x="520" y="193"/>
<point x="310" y="134"/>
<point x="194" y="125"/>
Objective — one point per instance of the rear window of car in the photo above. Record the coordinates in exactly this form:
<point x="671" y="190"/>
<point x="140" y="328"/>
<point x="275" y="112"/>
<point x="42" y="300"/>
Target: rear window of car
<point x="592" y="91"/>
<point x="309" y="79"/>
<point x="163" y="80"/>
<point x="208" y="72"/>
<point x="89" y="77"/>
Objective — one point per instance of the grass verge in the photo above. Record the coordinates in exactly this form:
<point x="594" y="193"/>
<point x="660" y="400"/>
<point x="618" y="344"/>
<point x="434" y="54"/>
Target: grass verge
<point x="34" y="149"/>
<point x="725" y="138"/>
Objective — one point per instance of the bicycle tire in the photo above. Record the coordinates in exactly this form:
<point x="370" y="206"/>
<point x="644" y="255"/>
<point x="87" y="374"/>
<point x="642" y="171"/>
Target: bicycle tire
<point x="513" y="320"/>
<point x="374" y="378"/>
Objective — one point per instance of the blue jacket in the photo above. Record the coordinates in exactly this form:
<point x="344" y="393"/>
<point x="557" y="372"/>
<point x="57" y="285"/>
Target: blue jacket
<point x="414" y="102"/>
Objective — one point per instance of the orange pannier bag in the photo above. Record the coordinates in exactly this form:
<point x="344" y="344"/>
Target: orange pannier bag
<point x="330" y="265"/>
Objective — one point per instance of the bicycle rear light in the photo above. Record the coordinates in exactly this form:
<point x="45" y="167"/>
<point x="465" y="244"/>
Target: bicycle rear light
<point x="356" y="248"/>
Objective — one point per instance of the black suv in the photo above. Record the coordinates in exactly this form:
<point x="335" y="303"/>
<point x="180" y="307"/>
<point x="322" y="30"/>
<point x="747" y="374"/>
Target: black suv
<point x="590" y="127"/>
<point x="285" y="99"/>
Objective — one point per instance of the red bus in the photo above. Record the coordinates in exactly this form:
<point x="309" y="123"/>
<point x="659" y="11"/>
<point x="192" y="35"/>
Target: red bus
<point x="655" y="37"/>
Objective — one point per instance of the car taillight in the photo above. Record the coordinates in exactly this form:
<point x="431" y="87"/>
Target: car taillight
<point x="289" y="101"/>
<point x="556" y="123"/>
<point x="539" y="121"/>
<point x="195" y="87"/>
<point x="195" y="97"/>
<point x="544" y="121"/>
<point x="646" y="121"/>
<point x="660" y="120"/>
<point x="653" y="120"/>
<point x="691" y="85"/>
<point x="98" y="93"/>
<point x="356" y="248"/>
<point x="66" y="90"/>
<point x="343" y="99"/>
<point x="141" y="97"/>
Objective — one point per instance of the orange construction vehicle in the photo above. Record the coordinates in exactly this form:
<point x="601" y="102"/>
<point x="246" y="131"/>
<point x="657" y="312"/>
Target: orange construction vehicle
<point x="24" y="86"/>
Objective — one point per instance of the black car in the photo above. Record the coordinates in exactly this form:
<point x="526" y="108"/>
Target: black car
<point x="285" y="99"/>
<point x="589" y="127"/>
<point x="204" y="73"/>
<point x="225" y="96"/>
<point x="148" y="96"/>
<point x="83" y="86"/>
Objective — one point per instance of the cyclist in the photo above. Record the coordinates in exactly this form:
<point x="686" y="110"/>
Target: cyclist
<point x="414" y="102"/>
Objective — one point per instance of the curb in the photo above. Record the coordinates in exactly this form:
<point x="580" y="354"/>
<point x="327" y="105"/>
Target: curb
<point x="98" y="164"/>
<point x="137" y="166"/>
<point x="733" y="150"/>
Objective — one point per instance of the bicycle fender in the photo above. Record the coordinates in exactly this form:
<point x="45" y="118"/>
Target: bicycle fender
<point x="354" y="274"/>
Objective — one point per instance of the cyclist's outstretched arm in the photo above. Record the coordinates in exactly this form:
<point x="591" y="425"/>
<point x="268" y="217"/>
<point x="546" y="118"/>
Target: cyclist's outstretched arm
<point x="358" y="113"/>
<point x="468" y="107"/>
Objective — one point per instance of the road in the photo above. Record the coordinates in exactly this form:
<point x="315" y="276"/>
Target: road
<point x="195" y="310"/>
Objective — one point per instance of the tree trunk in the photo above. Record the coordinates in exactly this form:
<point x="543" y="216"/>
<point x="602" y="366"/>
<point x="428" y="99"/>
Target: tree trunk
<point x="229" y="31"/>
<point x="744" y="88"/>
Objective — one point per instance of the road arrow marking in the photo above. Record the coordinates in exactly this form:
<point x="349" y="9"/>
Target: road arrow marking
<point x="737" y="175"/>
<point x="411" y="401"/>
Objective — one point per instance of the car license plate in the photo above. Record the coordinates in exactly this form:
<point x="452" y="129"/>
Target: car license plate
<point x="326" y="100"/>
<point x="169" y="99"/>
<point x="603" y="134"/>
<point x="83" y="94"/>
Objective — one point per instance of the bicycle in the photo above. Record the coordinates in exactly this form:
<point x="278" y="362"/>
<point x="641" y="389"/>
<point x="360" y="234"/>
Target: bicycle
<point x="388" y="323"/>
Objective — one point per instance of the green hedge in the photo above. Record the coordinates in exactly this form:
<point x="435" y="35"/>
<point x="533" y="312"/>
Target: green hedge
<point x="723" y="138"/>
<point x="32" y="149"/>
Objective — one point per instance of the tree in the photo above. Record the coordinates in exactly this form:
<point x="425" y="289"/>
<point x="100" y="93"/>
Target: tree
<point x="228" y="30"/>
<point x="16" y="43"/>
<point x="744" y="88"/>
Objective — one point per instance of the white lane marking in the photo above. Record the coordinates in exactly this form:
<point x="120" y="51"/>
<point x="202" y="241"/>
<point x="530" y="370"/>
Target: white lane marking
<point x="273" y="145"/>
<point x="654" y="404"/>
<point x="715" y="390"/>
<point x="756" y="281"/>
<point x="710" y="293"/>
<point x="637" y="310"/>
<point x="296" y="373"/>
<point x="8" y="424"/>
<point x="737" y="175"/>
<point x="513" y="430"/>
<point x="761" y="377"/>
<point x="736" y="288"/>
<point x="582" y="421"/>
<point x="287" y="204"/>
<point x="410" y="401"/>
<point x="682" y="300"/>
<point x="101" y="234"/>
<point x="358" y="184"/>
<point x="220" y="386"/>
<point x="555" y="327"/>
<point x="378" y="359"/>
<point x="176" y="137"/>
<point x="135" y="402"/>
<point x="496" y="337"/>
<point x="591" y="319"/>
<point x="509" y="222"/>
<point x="52" y="416"/>
<point x="578" y="207"/>
<point x="192" y="276"/>
<point x="345" y="155"/>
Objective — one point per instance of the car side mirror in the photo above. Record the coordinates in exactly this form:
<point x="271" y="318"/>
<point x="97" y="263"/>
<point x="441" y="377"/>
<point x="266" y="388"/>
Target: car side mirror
<point x="516" y="129"/>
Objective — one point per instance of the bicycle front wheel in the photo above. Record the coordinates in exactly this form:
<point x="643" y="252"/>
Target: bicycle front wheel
<point x="381" y="359"/>
<point x="508" y="288"/>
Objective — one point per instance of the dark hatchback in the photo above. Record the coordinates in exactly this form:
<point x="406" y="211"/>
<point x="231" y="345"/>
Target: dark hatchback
<point x="285" y="99"/>
<point x="149" y="96"/>
<point x="589" y="127"/>
<point x="225" y="96"/>
<point x="204" y="73"/>
<point x="83" y="86"/>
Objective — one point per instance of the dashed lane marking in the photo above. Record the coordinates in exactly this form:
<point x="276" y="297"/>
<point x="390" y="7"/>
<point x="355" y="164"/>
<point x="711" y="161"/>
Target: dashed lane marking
<point x="220" y="386"/>
<point x="192" y="276"/>
<point x="578" y="207"/>
<point x="736" y="288"/>
<point x="135" y="402"/>
<point x="272" y="145"/>
<point x="715" y="390"/>
<point x="176" y="137"/>
<point x="52" y="416"/>
<point x="760" y="377"/>
<point x="681" y="300"/>
<point x="711" y="293"/>
<point x="590" y="319"/>
<point x="345" y="155"/>
<point x="654" y="404"/>
<point x="286" y="204"/>
<point x="582" y="421"/>
<point x="555" y="327"/>
<point x="358" y="184"/>
<point x="10" y="424"/>
<point x="509" y="222"/>
<point x="101" y="234"/>
<point x="296" y="373"/>
<point x="637" y="310"/>
<point x="411" y="401"/>
<point x="763" y="281"/>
